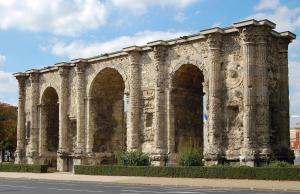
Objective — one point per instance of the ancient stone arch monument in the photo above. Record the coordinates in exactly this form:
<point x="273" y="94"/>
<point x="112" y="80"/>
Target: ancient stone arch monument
<point x="153" y="98"/>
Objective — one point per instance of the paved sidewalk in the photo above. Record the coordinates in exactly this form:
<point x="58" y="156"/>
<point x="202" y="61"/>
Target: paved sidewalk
<point x="193" y="182"/>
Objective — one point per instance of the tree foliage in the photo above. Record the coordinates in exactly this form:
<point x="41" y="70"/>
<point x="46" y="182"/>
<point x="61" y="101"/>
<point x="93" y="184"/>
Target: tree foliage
<point x="8" y="127"/>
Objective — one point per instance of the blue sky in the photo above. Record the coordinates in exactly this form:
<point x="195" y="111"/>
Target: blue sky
<point x="35" y="34"/>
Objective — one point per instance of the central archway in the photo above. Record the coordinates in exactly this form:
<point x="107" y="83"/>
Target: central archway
<point x="187" y="101"/>
<point x="107" y="115"/>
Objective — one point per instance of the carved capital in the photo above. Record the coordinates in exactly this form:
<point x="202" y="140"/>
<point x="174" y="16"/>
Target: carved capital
<point x="262" y="38"/>
<point x="248" y="34"/>
<point x="214" y="41"/>
<point x="134" y="57"/>
<point x="21" y="80"/>
<point x="80" y="67"/>
<point x="63" y="71"/>
<point x="283" y="45"/>
<point x="34" y="77"/>
<point x="159" y="52"/>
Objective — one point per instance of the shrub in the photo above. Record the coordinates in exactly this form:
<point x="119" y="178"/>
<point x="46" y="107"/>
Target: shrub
<point x="10" y="167"/>
<point x="134" y="158"/>
<point x="280" y="164"/>
<point x="190" y="156"/>
<point x="262" y="173"/>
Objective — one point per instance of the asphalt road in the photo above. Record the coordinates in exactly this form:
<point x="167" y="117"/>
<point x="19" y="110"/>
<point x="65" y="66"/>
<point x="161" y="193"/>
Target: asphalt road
<point x="9" y="186"/>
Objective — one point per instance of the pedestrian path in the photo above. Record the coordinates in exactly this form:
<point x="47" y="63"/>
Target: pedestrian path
<point x="193" y="182"/>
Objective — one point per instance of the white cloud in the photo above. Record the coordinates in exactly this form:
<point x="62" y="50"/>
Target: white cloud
<point x="2" y="59"/>
<point x="216" y="24"/>
<point x="78" y="49"/>
<point x="59" y="17"/>
<point x="8" y="83"/>
<point x="294" y="72"/>
<point x="267" y="4"/>
<point x="141" y="6"/>
<point x="180" y="17"/>
<point x="286" y="18"/>
<point x="295" y="116"/>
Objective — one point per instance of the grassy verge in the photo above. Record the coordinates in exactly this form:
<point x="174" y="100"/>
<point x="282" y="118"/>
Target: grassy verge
<point x="262" y="173"/>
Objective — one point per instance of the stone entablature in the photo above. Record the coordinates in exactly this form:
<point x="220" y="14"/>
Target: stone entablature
<point x="150" y="98"/>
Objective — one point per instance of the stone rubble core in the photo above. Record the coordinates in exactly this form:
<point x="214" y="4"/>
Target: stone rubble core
<point x="153" y="99"/>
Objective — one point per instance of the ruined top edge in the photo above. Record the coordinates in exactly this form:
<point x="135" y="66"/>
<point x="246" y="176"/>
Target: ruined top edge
<point x="201" y="35"/>
<point x="19" y="74"/>
<point x="264" y="22"/>
<point x="132" y="48"/>
<point x="212" y="30"/>
<point x="288" y="34"/>
<point x="157" y="42"/>
<point x="62" y="64"/>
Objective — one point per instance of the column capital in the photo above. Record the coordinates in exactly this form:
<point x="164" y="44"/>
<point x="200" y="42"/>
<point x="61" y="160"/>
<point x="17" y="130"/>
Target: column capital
<point x="214" y="40"/>
<point x="283" y="45"/>
<point x="21" y="77"/>
<point x="159" y="49"/>
<point x="159" y="52"/>
<point x="134" y="54"/>
<point x="248" y="34"/>
<point x="64" y="71"/>
<point x="80" y="65"/>
<point x="34" y="77"/>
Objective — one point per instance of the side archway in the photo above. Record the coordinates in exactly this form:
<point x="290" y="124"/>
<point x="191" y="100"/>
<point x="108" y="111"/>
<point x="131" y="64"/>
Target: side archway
<point x="49" y="133"/>
<point x="107" y="115"/>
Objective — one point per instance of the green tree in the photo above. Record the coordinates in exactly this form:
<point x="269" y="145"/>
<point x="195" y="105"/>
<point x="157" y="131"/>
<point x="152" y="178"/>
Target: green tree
<point x="8" y="128"/>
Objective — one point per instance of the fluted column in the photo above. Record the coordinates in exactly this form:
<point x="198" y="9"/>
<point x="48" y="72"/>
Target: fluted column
<point x="63" y="150"/>
<point x="20" y="151"/>
<point x="80" y="110"/>
<point x="263" y="93"/>
<point x="248" y="45"/>
<point x="134" y="107"/>
<point x="284" y="94"/>
<point x="89" y="127"/>
<point x="42" y="133"/>
<point x="34" y="97"/>
<point x="170" y="120"/>
<point x="63" y="109"/>
<point x="159" y="98"/>
<point x="215" y="106"/>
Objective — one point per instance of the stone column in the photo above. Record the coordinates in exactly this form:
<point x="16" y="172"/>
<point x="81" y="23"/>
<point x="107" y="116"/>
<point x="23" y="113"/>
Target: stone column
<point x="34" y="140"/>
<point x="170" y="122"/>
<point x="134" y="106"/>
<point x="42" y="135"/>
<point x="80" y="109"/>
<point x="212" y="155"/>
<point x="159" y="59"/>
<point x="20" y="151"/>
<point x="63" y="150"/>
<point x="249" y="105"/>
<point x="159" y="49"/>
<point x="284" y="104"/>
<point x="263" y="93"/>
<point x="89" y="127"/>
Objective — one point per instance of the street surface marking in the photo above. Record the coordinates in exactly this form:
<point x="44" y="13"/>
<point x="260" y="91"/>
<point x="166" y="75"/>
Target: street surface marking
<point x="21" y="186"/>
<point x="77" y="190"/>
<point x="178" y="192"/>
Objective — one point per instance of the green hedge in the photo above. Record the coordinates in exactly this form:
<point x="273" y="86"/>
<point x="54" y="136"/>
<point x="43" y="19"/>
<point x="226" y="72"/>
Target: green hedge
<point x="263" y="173"/>
<point x="9" y="167"/>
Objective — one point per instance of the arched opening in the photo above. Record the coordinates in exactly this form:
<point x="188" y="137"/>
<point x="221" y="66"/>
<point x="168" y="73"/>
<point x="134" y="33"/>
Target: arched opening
<point x="107" y="114"/>
<point x="187" y="101"/>
<point x="50" y="125"/>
